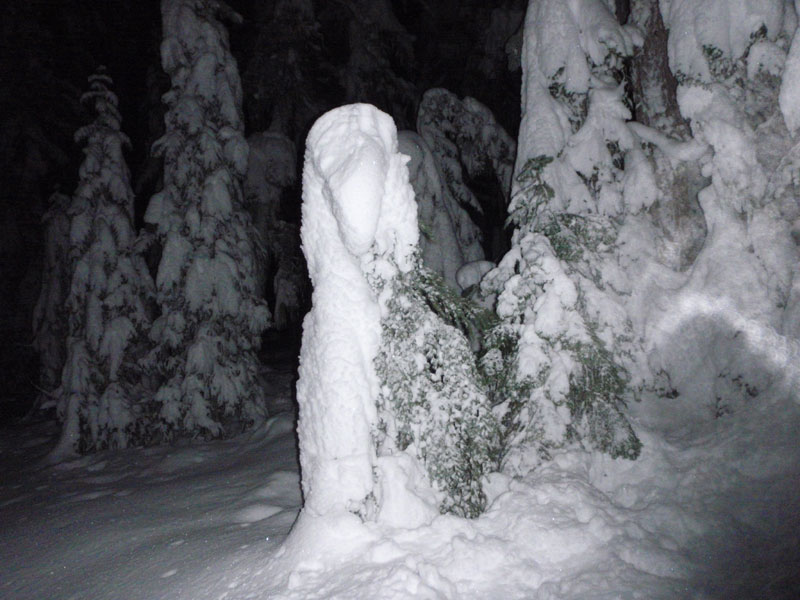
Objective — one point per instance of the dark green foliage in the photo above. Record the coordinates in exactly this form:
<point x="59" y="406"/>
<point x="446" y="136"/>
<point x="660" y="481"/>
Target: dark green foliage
<point x="457" y="311"/>
<point x="499" y="371"/>
<point x="572" y="235"/>
<point x="595" y="400"/>
<point x="431" y="403"/>
<point x="533" y="191"/>
<point x="497" y="365"/>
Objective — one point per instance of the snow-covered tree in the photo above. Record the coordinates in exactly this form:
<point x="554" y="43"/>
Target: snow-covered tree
<point x="393" y="423"/>
<point x="270" y="170"/>
<point x="208" y="331"/>
<point x="681" y="227"/>
<point x="281" y="270"/>
<point x="381" y="53"/>
<point x="563" y="357"/>
<point x="50" y="315"/>
<point x="465" y="136"/>
<point x="736" y="66"/>
<point x="106" y="306"/>
<point x="456" y="139"/>
<point x="288" y="73"/>
<point x="448" y="127"/>
<point x="40" y="100"/>
<point x="439" y="244"/>
<point x="642" y="257"/>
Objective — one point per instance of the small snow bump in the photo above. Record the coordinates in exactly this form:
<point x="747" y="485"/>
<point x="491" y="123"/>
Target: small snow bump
<point x="169" y="573"/>
<point x="256" y="512"/>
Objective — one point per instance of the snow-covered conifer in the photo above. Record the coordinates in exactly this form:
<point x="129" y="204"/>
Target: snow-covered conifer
<point x="109" y="287"/>
<point x="439" y="244"/>
<point x="392" y="421"/>
<point x="49" y="315"/>
<point x="270" y="170"/>
<point x="565" y="335"/>
<point x="456" y="139"/>
<point x="736" y="67"/>
<point x="465" y="140"/>
<point x="677" y="216"/>
<point x="208" y="332"/>
<point x="288" y="74"/>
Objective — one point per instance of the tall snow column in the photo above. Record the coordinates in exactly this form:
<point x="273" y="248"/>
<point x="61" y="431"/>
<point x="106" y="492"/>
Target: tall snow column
<point x="393" y="425"/>
<point x="350" y="212"/>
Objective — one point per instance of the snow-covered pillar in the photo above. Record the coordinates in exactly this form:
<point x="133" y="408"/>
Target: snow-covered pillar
<point x="359" y="229"/>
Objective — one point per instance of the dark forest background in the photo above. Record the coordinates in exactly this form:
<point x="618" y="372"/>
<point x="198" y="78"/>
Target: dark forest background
<point x="297" y="59"/>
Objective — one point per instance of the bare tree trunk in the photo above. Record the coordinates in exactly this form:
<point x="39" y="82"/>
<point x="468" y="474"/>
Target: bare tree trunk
<point x="651" y="76"/>
<point x="677" y="213"/>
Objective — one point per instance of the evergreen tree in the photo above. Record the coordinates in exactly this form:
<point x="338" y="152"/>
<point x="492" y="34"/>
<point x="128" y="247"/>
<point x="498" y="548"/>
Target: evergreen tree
<point x="681" y="228"/>
<point x="270" y="171"/>
<point x="467" y="143"/>
<point x="208" y="332"/>
<point x="39" y="114"/>
<point x="381" y="53"/>
<point x="736" y="70"/>
<point x="99" y="400"/>
<point x="439" y="245"/>
<point x="288" y="75"/>
<point x="565" y="337"/>
<point x="50" y="315"/>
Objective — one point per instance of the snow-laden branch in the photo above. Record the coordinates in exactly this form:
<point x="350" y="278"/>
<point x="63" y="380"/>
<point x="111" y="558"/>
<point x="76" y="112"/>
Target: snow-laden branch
<point x="675" y="150"/>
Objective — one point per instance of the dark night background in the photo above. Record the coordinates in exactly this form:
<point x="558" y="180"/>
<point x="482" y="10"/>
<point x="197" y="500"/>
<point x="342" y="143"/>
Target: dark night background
<point x="50" y="47"/>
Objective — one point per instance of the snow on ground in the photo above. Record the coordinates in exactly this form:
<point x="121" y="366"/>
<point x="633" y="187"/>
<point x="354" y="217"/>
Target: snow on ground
<point x="708" y="512"/>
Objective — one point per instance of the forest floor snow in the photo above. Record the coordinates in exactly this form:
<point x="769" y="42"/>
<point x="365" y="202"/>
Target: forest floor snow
<point x="708" y="512"/>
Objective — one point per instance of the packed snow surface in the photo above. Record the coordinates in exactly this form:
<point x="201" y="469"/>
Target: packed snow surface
<point x="708" y="511"/>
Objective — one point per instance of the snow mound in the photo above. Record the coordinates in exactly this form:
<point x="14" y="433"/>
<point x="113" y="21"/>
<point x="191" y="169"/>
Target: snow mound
<point x="255" y="512"/>
<point x="707" y="515"/>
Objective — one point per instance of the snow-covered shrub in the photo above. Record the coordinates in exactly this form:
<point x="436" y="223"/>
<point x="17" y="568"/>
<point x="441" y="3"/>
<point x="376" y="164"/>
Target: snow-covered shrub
<point x="99" y="401"/>
<point x="565" y="333"/>
<point x="49" y="315"/>
<point x="431" y="399"/>
<point x="391" y="414"/>
<point x="208" y="331"/>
